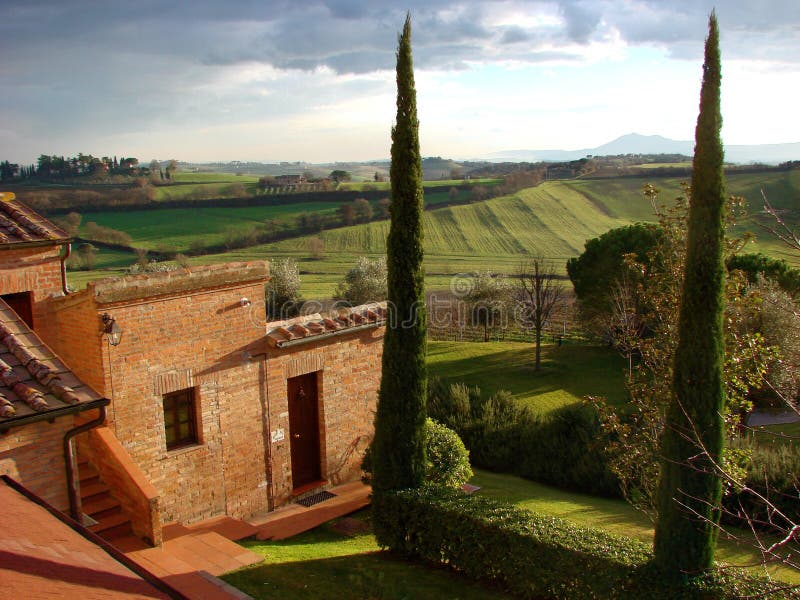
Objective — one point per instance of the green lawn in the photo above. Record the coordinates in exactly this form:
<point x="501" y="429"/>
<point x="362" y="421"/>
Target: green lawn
<point x="568" y="373"/>
<point x="779" y="435"/>
<point x="324" y="563"/>
<point x="615" y="516"/>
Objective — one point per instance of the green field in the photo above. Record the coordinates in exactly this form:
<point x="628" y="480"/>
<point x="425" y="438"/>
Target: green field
<point x="206" y="185"/>
<point x="189" y="185"/>
<point x="552" y="220"/>
<point x="385" y="185"/>
<point x="177" y="228"/>
<point x="191" y="177"/>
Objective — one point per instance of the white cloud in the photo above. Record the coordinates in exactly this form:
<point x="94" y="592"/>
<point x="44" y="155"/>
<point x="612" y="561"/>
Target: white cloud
<point x="193" y="79"/>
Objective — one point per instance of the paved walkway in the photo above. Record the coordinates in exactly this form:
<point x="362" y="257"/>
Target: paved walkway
<point x="293" y="519"/>
<point x="190" y="563"/>
<point x="758" y="418"/>
<point x="192" y="556"/>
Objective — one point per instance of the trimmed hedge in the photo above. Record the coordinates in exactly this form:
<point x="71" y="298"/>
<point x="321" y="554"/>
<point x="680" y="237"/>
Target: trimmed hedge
<point x="563" y="448"/>
<point x="535" y="556"/>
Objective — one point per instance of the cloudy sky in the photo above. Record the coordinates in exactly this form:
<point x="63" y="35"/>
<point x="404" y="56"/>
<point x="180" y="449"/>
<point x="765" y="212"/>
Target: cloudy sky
<point x="276" y="80"/>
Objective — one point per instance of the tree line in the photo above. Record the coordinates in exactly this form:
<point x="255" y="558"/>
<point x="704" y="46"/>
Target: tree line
<point x="55" y="167"/>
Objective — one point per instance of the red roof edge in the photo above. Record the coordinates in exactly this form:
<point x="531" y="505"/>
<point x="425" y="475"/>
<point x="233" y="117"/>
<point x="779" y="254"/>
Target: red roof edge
<point x="157" y="583"/>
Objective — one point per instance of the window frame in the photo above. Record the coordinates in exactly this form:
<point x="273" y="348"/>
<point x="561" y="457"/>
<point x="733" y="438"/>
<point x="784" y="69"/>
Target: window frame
<point x="185" y="397"/>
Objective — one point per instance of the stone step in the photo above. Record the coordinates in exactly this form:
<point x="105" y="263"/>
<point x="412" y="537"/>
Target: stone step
<point x="90" y="490"/>
<point x="123" y="530"/>
<point x="113" y="520"/>
<point x="100" y="503"/>
<point x="87" y="472"/>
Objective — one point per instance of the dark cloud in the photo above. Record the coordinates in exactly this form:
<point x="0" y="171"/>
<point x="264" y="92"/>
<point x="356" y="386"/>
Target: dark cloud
<point x="581" y="18"/>
<point x="515" y="35"/>
<point x="357" y="36"/>
<point x="125" y="67"/>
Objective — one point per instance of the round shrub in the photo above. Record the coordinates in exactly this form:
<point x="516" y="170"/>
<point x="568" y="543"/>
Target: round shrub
<point x="447" y="457"/>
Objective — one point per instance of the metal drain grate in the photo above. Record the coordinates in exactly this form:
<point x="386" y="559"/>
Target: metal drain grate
<point x="316" y="499"/>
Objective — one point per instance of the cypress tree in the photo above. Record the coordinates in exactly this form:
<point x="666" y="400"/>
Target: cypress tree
<point x="398" y="447"/>
<point x="689" y="490"/>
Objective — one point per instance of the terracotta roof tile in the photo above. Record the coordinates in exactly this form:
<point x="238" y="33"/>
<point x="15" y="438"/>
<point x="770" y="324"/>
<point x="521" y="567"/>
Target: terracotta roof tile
<point x="32" y="378"/>
<point x="42" y="557"/>
<point x="308" y="328"/>
<point x="21" y="225"/>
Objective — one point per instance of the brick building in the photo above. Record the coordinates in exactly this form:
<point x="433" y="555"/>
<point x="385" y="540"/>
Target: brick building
<point x="40" y="397"/>
<point x="213" y="410"/>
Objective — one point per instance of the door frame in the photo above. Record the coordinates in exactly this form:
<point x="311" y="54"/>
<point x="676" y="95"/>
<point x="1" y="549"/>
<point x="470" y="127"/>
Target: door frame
<point x="311" y="429"/>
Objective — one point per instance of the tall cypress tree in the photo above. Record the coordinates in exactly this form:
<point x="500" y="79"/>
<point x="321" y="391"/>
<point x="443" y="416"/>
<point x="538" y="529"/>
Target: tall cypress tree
<point x="689" y="490"/>
<point x="398" y="448"/>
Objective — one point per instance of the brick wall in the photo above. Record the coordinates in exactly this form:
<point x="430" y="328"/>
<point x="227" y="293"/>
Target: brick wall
<point x="36" y="270"/>
<point x="33" y="455"/>
<point x="197" y="339"/>
<point x="78" y="339"/>
<point x="206" y="340"/>
<point x="349" y="373"/>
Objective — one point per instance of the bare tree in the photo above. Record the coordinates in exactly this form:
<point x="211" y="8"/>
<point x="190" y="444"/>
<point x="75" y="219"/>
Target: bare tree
<point x="780" y="228"/>
<point x="541" y="293"/>
<point x="172" y="166"/>
<point x="627" y="325"/>
<point x="362" y="210"/>
<point x="316" y="247"/>
<point x="487" y="300"/>
<point x="773" y="532"/>
<point x="791" y="238"/>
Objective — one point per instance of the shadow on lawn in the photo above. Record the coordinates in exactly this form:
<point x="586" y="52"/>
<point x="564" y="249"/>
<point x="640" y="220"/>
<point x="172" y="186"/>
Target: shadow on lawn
<point x="366" y="575"/>
<point x="575" y="370"/>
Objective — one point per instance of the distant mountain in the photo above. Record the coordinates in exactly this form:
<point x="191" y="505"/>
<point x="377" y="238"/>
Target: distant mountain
<point x="634" y="143"/>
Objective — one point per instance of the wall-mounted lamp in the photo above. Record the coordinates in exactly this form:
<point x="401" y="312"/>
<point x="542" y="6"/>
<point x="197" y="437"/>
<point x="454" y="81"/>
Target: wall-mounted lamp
<point x="244" y="302"/>
<point x="112" y="330"/>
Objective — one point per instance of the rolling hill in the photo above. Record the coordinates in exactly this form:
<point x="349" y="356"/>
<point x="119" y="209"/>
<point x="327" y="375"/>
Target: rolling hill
<point x="552" y="220"/>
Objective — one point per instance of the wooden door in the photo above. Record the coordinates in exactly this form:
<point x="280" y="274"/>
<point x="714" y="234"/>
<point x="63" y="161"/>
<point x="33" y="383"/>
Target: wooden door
<point x="304" y="429"/>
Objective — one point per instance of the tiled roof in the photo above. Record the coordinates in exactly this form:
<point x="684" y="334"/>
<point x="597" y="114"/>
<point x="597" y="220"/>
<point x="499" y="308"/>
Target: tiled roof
<point x="32" y="379"/>
<point x="42" y="557"/>
<point x="309" y="328"/>
<point x="21" y="225"/>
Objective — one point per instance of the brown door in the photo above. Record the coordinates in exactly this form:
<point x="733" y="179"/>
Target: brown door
<point x="304" y="429"/>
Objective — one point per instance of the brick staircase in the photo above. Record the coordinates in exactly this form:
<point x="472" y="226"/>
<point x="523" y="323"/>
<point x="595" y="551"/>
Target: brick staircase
<point x="98" y="503"/>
